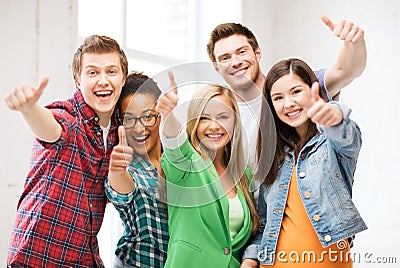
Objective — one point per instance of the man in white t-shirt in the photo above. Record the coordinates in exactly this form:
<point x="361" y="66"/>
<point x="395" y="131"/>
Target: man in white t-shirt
<point x="234" y="50"/>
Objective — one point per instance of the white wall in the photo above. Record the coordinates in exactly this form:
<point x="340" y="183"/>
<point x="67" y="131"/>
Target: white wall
<point x="287" y="28"/>
<point x="39" y="37"/>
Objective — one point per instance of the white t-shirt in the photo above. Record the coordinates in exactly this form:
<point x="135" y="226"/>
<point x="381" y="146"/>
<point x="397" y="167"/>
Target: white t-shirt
<point x="236" y="216"/>
<point x="250" y="114"/>
<point x="105" y="134"/>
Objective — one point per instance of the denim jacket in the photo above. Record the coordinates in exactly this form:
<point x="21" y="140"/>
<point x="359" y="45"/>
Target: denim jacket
<point x="325" y="172"/>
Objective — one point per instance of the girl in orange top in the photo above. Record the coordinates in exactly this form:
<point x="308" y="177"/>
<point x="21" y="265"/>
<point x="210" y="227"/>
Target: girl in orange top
<point x="305" y="203"/>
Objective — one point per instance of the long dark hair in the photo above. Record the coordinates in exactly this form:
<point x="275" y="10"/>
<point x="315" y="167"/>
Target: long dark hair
<point x="287" y="137"/>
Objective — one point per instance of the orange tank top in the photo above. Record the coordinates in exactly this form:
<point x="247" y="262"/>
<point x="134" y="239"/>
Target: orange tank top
<point x="298" y="244"/>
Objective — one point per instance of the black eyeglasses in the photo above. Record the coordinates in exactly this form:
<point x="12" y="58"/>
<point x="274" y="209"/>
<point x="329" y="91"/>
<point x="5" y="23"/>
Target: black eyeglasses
<point x="146" y="120"/>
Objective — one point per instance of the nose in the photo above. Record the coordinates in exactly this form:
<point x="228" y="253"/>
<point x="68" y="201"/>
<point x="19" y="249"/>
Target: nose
<point x="214" y="124"/>
<point x="103" y="79"/>
<point x="236" y="61"/>
<point x="288" y="102"/>
<point x="138" y="127"/>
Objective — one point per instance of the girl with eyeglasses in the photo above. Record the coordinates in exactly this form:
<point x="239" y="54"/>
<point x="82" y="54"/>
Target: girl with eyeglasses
<point x="134" y="184"/>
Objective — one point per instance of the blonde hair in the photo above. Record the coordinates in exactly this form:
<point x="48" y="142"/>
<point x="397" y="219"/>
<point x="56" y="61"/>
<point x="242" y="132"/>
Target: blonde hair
<point x="233" y="153"/>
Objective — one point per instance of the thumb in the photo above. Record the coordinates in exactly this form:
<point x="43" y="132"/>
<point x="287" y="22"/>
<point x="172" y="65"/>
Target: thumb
<point x="42" y="85"/>
<point x="122" y="136"/>
<point x="172" y="81"/>
<point x="315" y="92"/>
<point x="328" y="22"/>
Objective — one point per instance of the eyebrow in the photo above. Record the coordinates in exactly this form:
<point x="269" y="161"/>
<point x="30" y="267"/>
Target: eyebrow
<point x="244" y="46"/>
<point x="95" y="66"/>
<point x="293" y="87"/>
<point x="143" y="112"/>
<point x="223" y="55"/>
<point x="220" y="113"/>
<point x="238" y="49"/>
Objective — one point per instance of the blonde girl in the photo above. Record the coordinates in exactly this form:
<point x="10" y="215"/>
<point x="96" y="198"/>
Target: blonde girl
<point x="211" y="213"/>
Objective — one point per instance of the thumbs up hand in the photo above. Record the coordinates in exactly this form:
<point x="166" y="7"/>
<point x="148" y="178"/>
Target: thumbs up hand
<point x="170" y="125"/>
<point x="121" y="155"/>
<point x="168" y="101"/>
<point x="24" y="97"/>
<point x="344" y="29"/>
<point x="323" y="113"/>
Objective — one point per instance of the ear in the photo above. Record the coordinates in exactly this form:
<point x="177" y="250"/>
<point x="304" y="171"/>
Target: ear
<point x="78" y="84"/>
<point x="258" y="54"/>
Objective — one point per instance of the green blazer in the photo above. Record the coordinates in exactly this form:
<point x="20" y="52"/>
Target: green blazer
<point x="198" y="213"/>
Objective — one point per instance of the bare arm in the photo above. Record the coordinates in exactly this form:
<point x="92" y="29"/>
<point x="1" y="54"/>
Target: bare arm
<point x="352" y="56"/>
<point x="39" y="119"/>
<point x="249" y="263"/>
<point x="121" y="156"/>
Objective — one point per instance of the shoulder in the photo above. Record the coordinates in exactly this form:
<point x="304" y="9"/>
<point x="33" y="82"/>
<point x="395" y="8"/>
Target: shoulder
<point x="63" y="110"/>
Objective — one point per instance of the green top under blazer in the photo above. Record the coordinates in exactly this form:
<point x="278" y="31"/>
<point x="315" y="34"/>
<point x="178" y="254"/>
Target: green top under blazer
<point x="198" y="212"/>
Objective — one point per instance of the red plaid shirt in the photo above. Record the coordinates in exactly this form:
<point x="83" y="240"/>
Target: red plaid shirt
<point x="62" y="205"/>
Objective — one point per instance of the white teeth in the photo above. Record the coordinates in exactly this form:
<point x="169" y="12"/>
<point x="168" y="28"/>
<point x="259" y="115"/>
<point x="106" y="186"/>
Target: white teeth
<point x="291" y="114"/>
<point x="241" y="72"/>
<point x="103" y="93"/>
<point x="214" y="136"/>
<point x="140" y="139"/>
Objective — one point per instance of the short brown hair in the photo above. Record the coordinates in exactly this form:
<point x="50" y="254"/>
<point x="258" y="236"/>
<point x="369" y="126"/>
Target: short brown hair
<point x="98" y="44"/>
<point x="226" y="30"/>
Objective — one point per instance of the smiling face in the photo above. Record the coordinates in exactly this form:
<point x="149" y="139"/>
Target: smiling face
<point x="101" y="80"/>
<point x="291" y="98"/>
<point x="144" y="140"/>
<point x="238" y="63"/>
<point x="216" y="124"/>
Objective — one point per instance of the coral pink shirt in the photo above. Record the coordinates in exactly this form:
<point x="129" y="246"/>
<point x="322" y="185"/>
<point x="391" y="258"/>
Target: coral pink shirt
<point x="298" y="244"/>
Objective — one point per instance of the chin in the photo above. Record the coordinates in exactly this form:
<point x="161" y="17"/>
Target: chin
<point x="144" y="155"/>
<point x="140" y="151"/>
<point x="244" y="85"/>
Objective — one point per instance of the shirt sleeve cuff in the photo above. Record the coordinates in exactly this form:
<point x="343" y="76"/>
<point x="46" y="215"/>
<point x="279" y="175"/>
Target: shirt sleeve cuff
<point x="340" y="128"/>
<point x="251" y="252"/>
<point x="175" y="142"/>
<point x="117" y="198"/>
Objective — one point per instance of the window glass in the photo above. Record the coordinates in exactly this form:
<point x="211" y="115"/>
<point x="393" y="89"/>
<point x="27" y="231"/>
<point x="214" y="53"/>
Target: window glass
<point x="101" y="17"/>
<point x="157" y="27"/>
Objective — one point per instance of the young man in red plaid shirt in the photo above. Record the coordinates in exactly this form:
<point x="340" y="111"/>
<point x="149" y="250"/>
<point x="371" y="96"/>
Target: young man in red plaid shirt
<point x="61" y="208"/>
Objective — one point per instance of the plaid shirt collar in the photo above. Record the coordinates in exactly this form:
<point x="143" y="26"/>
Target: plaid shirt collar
<point x="87" y="112"/>
<point x="140" y="162"/>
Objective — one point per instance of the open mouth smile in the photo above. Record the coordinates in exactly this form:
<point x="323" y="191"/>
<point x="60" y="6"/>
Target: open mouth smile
<point x="240" y="72"/>
<point x="293" y="114"/>
<point x="103" y="93"/>
<point x="141" y="139"/>
<point x="214" y="136"/>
